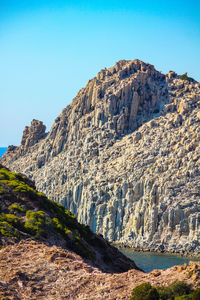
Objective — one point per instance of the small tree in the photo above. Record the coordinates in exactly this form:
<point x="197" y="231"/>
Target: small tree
<point x="180" y="288"/>
<point x="144" y="291"/>
<point x="196" y="294"/>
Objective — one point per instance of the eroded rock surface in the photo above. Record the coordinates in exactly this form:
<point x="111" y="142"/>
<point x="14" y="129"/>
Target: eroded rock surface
<point x="32" y="135"/>
<point x="124" y="157"/>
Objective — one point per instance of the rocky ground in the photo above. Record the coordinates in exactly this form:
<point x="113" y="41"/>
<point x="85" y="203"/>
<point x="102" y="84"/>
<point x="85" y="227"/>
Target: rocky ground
<point x="32" y="270"/>
<point x="124" y="157"/>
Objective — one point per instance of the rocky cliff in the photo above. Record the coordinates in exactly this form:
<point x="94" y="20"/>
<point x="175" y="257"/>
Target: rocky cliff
<point x="124" y="157"/>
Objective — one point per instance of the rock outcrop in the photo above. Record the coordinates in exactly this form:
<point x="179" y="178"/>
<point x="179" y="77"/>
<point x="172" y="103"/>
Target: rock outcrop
<point x="33" y="134"/>
<point x="124" y="157"/>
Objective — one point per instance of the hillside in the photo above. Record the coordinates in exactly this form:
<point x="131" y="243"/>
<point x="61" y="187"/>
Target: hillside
<point x="28" y="215"/>
<point x="124" y="157"/>
<point x="33" y="270"/>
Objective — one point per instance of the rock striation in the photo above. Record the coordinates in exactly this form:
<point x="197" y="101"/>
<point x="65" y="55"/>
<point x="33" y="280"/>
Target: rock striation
<point x="32" y="134"/>
<point x="124" y="157"/>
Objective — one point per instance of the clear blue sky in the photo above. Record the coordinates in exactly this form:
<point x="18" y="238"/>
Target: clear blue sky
<point x="50" y="49"/>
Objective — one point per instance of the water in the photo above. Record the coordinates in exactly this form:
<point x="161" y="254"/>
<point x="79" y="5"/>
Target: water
<point x="2" y="151"/>
<point x="148" y="261"/>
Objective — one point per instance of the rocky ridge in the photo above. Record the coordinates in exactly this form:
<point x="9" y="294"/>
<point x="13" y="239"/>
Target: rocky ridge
<point x="124" y="157"/>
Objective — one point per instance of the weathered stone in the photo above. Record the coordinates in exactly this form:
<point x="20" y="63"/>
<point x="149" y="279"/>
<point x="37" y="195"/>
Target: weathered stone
<point x="124" y="157"/>
<point x="33" y="134"/>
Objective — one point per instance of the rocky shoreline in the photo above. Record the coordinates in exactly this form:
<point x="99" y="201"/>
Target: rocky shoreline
<point x="145" y="250"/>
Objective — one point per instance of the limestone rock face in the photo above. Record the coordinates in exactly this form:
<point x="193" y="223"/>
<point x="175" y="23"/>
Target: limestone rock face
<point x="33" y="134"/>
<point x="124" y="157"/>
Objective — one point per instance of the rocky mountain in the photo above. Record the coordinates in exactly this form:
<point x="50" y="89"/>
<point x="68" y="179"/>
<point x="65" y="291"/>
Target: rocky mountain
<point x="124" y="157"/>
<point x="27" y="215"/>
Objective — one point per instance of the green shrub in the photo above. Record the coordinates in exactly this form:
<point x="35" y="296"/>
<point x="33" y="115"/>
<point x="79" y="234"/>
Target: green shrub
<point x="58" y="225"/>
<point x="177" y="291"/>
<point x="61" y="227"/>
<point x="35" y="222"/>
<point x="12" y="220"/>
<point x="144" y="291"/>
<point x="41" y="195"/>
<point x="17" y="208"/>
<point x="8" y="225"/>
<point x="8" y="175"/>
<point x="180" y="288"/>
<point x="8" y="230"/>
<point x="184" y="297"/>
<point x="185" y="77"/>
<point x="14" y="180"/>
<point x="18" y="186"/>
<point x="196" y="294"/>
<point x="165" y="293"/>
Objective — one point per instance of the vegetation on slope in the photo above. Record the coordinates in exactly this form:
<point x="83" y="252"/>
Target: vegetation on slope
<point x="26" y="213"/>
<point x="185" y="77"/>
<point x="177" y="291"/>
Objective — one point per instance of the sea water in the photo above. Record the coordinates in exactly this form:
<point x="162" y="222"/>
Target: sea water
<point x="2" y="151"/>
<point x="148" y="261"/>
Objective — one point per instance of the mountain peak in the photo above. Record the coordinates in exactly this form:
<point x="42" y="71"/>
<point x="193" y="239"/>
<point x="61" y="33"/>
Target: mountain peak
<point x="124" y="157"/>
